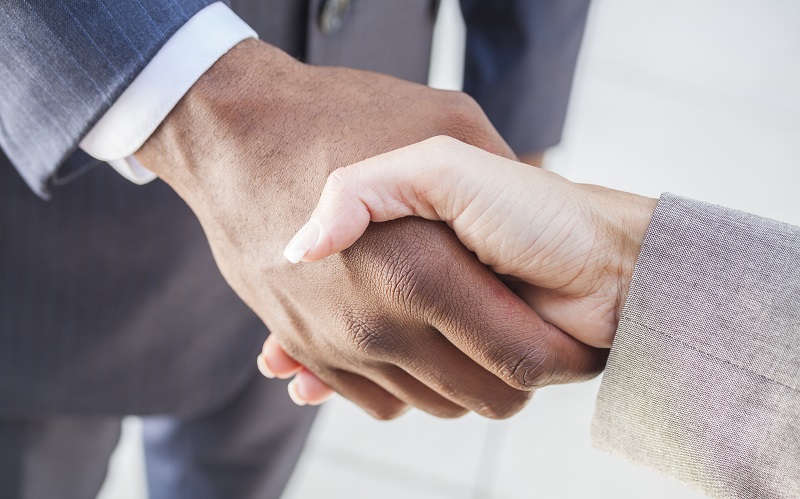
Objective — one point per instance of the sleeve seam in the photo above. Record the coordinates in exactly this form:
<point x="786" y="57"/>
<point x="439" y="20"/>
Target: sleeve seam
<point x="708" y="354"/>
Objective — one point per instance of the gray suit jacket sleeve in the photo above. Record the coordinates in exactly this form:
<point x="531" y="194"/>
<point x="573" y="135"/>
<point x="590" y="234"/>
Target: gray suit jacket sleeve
<point x="519" y="65"/>
<point x="63" y="64"/>
<point x="703" y="381"/>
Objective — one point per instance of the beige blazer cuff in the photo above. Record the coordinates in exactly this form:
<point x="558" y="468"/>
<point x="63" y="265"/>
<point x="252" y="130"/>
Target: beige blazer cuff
<point x="703" y="380"/>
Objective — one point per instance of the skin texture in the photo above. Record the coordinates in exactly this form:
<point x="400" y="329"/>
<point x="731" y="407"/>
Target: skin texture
<point x="407" y="316"/>
<point x="570" y="249"/>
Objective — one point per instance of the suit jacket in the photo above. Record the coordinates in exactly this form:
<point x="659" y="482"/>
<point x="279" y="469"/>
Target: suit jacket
<point x="703" y="381"/>
<point x="109" y="298"/>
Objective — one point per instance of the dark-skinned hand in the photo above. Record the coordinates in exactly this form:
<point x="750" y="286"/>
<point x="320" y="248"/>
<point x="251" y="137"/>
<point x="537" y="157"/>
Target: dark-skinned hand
<point x="407" y="316"/>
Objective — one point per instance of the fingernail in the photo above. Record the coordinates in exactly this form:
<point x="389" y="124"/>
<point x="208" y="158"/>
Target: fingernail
<point x="302" y="242"/>
<point x="262" y="366"/>
<point x="294" y="394"/>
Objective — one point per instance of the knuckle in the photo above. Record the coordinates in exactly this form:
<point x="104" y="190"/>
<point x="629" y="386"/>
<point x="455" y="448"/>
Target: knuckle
<point x="457" y="112"/>
<point x="464" y="102"/>
<point x="464" y="109"/>
<point x="525" y="367"/>
<point x="337" y="180"/>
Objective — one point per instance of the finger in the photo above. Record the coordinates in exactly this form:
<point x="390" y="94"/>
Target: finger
<point x="416" y="394"/>
<point x="495" y="328"/>
<point x="377" y="189"/>
<point x="448" y="371"/>
<point x="430" y="368"/>
<point x="391" y="344"/>
<point x="275" y="362"/>
<point x="371" y="397"/>
<point x="307" y="388"/>
<point x="417" y="180"/>
<point x="364" y="392"/>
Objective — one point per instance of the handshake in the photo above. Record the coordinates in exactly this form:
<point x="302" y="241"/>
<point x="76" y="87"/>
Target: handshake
<point x="513" y="282"/>
<point x="484" y="278"/>
<point x="566" y="250"/>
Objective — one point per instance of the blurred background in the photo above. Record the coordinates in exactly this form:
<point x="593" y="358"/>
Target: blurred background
<point x="697" y="97"/>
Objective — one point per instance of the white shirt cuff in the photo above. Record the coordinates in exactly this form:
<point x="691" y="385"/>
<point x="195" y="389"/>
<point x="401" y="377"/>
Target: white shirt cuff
<point x="138" y="111"/>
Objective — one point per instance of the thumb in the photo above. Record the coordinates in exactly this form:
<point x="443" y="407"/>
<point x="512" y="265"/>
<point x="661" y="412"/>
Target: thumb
<point x="393" y="185"/>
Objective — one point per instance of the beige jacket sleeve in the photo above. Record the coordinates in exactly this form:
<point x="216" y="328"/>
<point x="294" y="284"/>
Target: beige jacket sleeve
<point x="703" y="380"/>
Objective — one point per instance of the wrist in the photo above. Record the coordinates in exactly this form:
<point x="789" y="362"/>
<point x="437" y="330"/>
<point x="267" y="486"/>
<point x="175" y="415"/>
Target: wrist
<point x="230" y="150"/>
<point x="632" y="216"/>
<point x="203" y="134"/>
<point x="622" y="219"/>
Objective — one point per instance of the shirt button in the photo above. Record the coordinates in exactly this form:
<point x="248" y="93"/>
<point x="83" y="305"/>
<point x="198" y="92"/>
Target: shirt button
<point x="333" y="15"/>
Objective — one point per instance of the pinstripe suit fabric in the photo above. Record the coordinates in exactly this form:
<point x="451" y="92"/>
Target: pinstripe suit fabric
<point x="64" y="63"/>
<point x="108" y="307"/>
